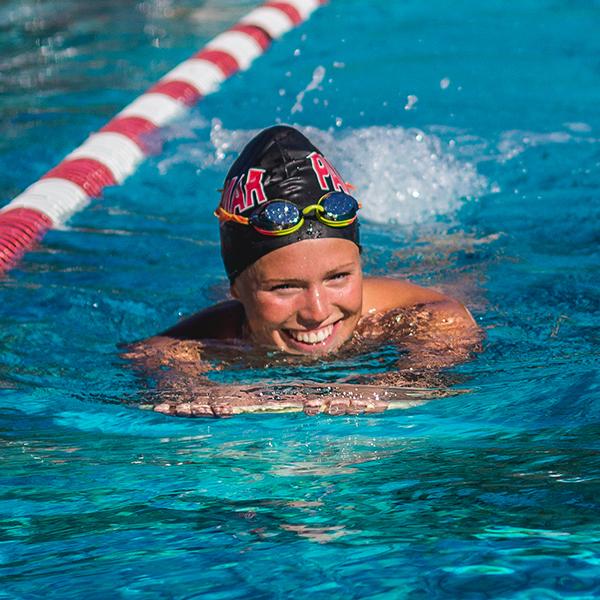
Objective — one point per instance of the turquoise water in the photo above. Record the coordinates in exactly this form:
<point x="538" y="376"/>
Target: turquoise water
<point x="471" y="133"/>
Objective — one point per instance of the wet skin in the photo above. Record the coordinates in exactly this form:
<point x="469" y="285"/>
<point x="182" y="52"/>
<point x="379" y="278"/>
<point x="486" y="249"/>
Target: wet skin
<point x="305" y="298"/>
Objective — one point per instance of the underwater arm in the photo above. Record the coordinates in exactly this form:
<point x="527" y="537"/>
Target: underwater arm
<point x="182" y="387"/>
<point x="435" y="330"/>
<point x="442" y="334"/>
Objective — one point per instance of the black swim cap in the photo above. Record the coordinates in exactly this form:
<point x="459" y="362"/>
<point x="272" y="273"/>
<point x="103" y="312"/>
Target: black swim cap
<point x="278" y="164"/>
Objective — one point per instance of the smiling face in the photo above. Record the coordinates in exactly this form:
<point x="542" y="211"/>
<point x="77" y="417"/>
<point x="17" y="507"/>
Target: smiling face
<point x="305" y="298"/>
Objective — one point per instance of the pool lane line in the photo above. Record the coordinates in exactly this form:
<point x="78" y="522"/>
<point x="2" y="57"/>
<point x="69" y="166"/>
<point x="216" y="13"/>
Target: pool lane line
<point x="110" y="155"/>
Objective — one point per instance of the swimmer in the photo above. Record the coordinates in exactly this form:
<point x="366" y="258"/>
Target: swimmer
<point x="289" y="229"/>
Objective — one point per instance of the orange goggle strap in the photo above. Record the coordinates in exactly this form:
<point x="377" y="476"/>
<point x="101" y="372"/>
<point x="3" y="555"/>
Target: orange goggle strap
<point x="224" y="215"/>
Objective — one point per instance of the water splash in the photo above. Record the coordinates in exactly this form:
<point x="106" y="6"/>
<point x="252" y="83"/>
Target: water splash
<point x="317" y="77"/>
<point x="411" y="100"/>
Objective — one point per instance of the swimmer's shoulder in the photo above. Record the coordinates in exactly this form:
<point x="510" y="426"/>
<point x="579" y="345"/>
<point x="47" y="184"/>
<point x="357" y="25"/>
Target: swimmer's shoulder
<point x="219" y="322"/>
<point x="382" y="294"/>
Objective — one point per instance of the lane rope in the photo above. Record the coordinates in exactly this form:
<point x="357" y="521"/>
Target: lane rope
<point x="108" y="156"/>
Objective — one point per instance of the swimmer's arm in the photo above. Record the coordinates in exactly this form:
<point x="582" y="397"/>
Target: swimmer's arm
<point x="437" y="330"/>
<point x="165" y="358"/>
<point x="181" y="386"/>
<point x="178" y="349"/>
<point x="173" y="359"/>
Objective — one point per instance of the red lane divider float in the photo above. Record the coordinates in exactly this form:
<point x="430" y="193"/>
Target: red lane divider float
<point x="113" y="153"/>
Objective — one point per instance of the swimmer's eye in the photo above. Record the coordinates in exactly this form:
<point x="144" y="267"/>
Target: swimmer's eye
<point x="341" y="275"/>
<point x="282" y="286"/>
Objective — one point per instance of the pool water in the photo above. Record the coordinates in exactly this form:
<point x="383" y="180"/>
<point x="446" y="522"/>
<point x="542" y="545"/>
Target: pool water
<point x="470" y="131"/>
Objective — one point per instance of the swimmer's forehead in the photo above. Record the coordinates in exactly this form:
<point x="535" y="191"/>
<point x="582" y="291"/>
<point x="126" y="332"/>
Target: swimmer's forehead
<point x="306" y="260"/>
<point x="294" y="277"/>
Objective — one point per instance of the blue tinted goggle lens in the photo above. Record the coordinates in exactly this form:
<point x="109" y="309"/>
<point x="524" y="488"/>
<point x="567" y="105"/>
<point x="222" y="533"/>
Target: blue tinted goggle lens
<point x="276" y="215"/>
<point x="339" y="206"/>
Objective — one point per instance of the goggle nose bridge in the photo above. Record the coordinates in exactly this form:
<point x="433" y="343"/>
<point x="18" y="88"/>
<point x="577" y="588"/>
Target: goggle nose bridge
<point x="313" y="207"/>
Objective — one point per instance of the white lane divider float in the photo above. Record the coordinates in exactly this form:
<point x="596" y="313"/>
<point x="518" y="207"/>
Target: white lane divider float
<point x="113" y="153"/>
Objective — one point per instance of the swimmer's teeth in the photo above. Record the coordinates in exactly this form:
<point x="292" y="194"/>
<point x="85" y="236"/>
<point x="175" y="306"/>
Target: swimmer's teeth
<point x="312" y="337"/>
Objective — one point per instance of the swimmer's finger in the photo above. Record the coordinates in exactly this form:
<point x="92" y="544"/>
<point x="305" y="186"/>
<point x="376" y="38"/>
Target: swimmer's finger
<point x="374" y="406"/>
<point x="221" y="409"/>
<point x="183" y="409"/>
<point x="360" y="404"/>
<point x="166" y="408"/>
<point x="380" y="406"/>
<point x="201" y="409"/>
<point x="357" y="407"/>
<point x="338" y="406"/>
<point x="313" y="406"/>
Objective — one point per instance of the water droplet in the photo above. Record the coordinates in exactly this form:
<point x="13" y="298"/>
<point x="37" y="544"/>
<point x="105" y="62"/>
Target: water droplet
<point x="411" y="100"/>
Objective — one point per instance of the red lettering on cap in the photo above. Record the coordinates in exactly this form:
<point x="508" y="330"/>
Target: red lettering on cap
<point x="336" y="179"/>
<point x="323" y="169"/>
<point x="227" y="193"/>
<point x="320" y="169"/>
<point x="238" y="202"/>
<point x="254" y="190"/>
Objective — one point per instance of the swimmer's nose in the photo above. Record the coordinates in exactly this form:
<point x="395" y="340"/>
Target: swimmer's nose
<point x="315" y="308"/>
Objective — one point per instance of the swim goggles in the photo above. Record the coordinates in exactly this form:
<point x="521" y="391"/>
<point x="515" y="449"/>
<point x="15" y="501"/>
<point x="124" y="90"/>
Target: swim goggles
<point x="281" y="217"/>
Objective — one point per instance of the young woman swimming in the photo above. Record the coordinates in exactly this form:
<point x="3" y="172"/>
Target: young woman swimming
<point x="290" y="245"/>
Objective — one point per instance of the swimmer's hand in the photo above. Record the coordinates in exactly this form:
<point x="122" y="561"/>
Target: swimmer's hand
<point x="226" y="405"/>
<point x="226" y="401"/>
<point x="345" y="400"/>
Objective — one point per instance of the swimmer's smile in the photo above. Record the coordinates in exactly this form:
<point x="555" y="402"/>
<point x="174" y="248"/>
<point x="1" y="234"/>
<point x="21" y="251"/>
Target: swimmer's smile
<point x="312" y="340"/>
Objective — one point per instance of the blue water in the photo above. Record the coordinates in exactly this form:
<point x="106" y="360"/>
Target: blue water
<point x="471" y="133"/>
